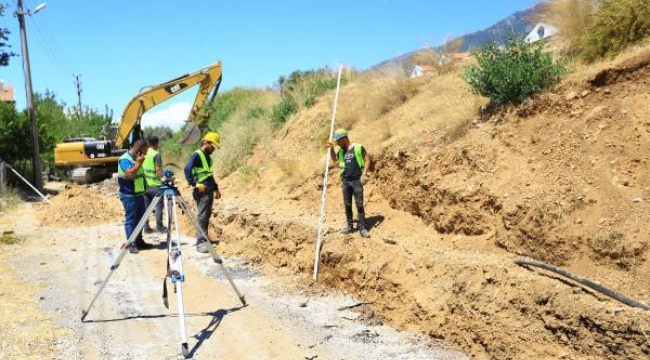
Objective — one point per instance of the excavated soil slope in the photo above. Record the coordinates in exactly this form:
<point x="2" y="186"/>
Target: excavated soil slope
<point x="561" y="179"/>
<point x="455" y="199"/>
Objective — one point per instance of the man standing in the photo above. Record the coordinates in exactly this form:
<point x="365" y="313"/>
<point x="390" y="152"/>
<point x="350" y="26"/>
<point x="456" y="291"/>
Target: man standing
<point x="153" y="173"/>
<point x="353" y="161"/>
<point x="198" y="173"/>
<point x="130" y="178"/>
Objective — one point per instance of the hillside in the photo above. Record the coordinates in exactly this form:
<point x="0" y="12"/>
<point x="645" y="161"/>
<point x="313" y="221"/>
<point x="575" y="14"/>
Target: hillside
<point x="517" y="24"/>
<point x="456" y="198"/>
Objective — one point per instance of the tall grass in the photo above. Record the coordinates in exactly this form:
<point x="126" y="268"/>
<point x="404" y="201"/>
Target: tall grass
<point x="243" y="130"/>
<point x="616" y="25"/>
<point x="9" y="198"/>
<point x="571" y="17"/>
<point x="593" y="29"/>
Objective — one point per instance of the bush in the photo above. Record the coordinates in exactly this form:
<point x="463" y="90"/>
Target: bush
<point x="512" y="73"/>
<point x="282" y="110"/>
<point x="616" y="25"/>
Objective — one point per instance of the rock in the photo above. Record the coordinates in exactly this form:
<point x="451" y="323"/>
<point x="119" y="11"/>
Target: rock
<point x="637" y="200"/>
<point x="571" y="95"/>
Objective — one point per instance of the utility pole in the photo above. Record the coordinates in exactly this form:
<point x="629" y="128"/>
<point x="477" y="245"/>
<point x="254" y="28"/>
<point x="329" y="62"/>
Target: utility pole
<point x="77" y="82"/>
<point x="36" y="156"/>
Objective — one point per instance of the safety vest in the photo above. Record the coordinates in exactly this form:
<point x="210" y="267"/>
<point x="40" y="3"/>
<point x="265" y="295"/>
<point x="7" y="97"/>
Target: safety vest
<point x="149" y="167"/>
<point x="202" y="173"/>
<point x="357" y="155"/>
<point x="134" y="186"/>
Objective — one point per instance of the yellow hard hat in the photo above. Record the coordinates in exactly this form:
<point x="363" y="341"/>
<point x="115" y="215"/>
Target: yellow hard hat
<point x="212" y="137"/>
<point x="340" y="134"/>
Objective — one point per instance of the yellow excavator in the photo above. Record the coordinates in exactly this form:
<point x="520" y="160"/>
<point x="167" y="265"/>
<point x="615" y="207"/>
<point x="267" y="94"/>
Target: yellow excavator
<point x="92" y="160"/>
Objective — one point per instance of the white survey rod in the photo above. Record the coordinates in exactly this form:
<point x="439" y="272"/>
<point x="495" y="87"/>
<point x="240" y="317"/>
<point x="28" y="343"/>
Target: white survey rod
<point x="327" y="165"/>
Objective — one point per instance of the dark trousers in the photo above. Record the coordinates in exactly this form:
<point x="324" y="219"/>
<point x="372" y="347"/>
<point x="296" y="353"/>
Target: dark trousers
<point x="133" y="212"/>
<point x="353" y="188"/>
<point x="204" y="211"/>
<point x="149" y="195"/>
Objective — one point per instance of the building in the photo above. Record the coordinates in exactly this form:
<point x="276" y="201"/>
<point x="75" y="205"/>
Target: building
<point x="420" y="70"/>
<point x="541" y="31"/>
<point x="6" y="93"/>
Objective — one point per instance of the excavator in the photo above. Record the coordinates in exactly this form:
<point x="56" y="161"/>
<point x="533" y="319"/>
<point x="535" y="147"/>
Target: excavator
<point x="91" y="160"/>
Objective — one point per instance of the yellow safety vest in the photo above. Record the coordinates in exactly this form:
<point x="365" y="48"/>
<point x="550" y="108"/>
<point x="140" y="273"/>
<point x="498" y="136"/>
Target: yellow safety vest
<point x="357" y="155"/>
<point x="202" y="173"/>
<point x="135" y="185"/>
<point x="149" y="167"/>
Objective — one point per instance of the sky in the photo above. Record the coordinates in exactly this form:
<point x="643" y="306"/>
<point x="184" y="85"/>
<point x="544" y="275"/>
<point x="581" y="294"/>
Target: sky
<point x="118" y="47"/>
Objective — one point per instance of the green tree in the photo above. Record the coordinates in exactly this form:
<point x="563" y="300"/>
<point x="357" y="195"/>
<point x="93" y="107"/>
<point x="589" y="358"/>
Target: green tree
<point x="4" y="53"/>
<point x="514" y="72"/>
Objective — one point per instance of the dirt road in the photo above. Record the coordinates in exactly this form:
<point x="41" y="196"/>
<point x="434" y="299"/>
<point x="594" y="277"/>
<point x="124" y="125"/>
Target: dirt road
<point x="51" y="275"/>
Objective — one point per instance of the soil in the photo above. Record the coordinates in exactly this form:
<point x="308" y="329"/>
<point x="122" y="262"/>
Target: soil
<point x="454" y="201"/>
<point x="63" y="252"/>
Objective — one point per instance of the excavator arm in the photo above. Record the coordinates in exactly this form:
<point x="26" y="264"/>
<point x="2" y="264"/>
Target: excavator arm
<point x="208" y="79"/>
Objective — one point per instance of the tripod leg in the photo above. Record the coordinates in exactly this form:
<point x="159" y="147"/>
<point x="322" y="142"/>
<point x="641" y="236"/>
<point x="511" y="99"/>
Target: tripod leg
<point x="215" y="257"/>
<point x="177" y="274"/>
<point x="124" y="249"/>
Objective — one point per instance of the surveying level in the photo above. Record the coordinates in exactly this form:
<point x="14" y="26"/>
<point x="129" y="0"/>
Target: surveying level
<point x="172" y="200"/>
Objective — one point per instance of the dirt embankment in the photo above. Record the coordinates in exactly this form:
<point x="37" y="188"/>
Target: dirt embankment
<point x="561" y="179"/>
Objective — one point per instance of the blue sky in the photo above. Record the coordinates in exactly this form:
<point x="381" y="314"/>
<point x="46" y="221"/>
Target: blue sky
<point x="120" y="46"/>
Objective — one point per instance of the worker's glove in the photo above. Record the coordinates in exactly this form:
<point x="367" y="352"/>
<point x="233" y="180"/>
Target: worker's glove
<point x="200" y="188"/>
<point x="364" y="179"/>
<point x="217" y="194"/>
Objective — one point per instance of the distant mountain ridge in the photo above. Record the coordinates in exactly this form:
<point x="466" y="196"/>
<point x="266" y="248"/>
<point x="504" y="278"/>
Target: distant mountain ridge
<point x="517" y="24"/>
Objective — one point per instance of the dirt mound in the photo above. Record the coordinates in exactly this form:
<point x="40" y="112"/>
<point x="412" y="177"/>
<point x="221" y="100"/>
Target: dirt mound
<point x="455" y="200"/>
<point x="82" y="205"/>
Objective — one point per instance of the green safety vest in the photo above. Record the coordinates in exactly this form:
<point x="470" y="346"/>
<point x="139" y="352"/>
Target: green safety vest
<point x="136" y="185"/>
<point x="357" y="155"/>
<point x="200" y="174"/>
<point x="149" y="167"/>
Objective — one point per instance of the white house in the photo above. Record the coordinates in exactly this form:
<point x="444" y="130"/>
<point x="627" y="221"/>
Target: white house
<point x="541" y="31"/>
<point x="420" y="70"/>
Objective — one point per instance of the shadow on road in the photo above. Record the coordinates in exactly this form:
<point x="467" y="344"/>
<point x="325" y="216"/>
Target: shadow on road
<point x="207" y="332"/>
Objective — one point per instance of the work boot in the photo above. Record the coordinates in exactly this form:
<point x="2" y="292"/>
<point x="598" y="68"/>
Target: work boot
<point x="161" y="229"/>
<point x="133" y="249"/>
<point x="147" y="229"/>
<point x="144" y="246"/>
<point x="364" y="233"/>
<point x="202" y="247"/>
<point x="346" y="230"/>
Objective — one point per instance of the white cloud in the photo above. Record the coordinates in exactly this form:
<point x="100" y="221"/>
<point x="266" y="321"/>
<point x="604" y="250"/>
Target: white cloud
<point x="174" y="116"/>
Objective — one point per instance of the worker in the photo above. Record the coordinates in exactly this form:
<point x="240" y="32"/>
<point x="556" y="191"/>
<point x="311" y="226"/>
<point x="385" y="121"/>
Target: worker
<point x="198" y="173"/>
<point x="354" y="161"/>
<point x="130" y="178"/>
<point x="153" y="173"/>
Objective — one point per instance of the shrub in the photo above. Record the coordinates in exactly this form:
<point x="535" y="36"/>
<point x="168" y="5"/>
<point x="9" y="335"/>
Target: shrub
<point x="616" y="25"/>
<point x="282" y="110"/>
<point x="512" y="73"/>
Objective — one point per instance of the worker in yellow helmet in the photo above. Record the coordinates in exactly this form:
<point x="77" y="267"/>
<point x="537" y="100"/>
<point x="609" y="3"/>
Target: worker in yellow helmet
<point x="354" y="161"/>
<point x="199" y="174"/>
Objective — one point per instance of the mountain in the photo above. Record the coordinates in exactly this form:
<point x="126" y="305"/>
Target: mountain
<point x="517" y="24"/>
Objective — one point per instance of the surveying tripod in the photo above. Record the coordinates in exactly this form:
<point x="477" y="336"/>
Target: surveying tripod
<point x="171" y="198"/>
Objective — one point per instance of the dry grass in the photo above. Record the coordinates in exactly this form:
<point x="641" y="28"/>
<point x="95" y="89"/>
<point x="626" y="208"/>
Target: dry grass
<point x="571" y="17"/>
<point x="9" y="198"/>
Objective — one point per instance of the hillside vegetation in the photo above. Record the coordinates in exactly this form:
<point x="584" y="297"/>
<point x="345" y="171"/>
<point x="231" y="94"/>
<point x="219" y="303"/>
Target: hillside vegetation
<point x="459" y="193"/>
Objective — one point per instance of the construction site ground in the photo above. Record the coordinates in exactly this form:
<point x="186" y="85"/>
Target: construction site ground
<point x="456" y="198"/>
<point x="62" y="255"/>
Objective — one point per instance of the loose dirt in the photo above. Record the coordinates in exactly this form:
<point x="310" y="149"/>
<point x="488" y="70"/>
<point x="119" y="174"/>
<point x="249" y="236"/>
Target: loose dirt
<point x="53" y="273"/>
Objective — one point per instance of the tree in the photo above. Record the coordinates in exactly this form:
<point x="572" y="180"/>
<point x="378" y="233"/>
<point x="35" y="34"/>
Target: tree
<point x="4" y="54"/>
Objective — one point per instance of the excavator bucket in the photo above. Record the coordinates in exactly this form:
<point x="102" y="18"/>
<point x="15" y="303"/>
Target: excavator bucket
<point x="191" y="135"/>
